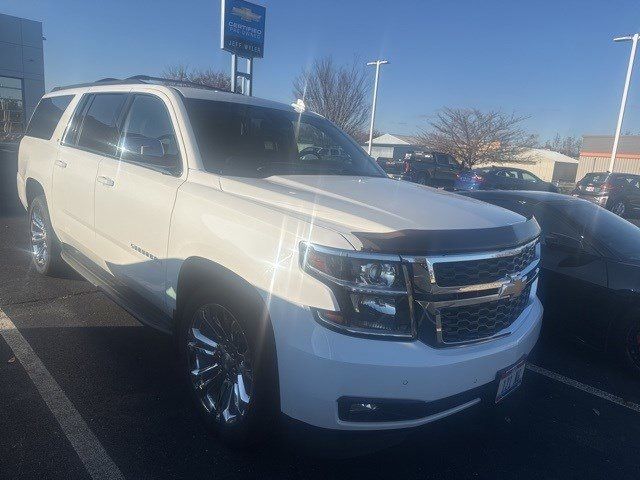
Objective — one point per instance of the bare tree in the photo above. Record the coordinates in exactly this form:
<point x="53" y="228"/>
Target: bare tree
<point x="473" y="136"/>
<point x="362" y="136"/>
<point x="208" y="76"/>
<point x="340" y="93"/>
<point x="569" y="146"/>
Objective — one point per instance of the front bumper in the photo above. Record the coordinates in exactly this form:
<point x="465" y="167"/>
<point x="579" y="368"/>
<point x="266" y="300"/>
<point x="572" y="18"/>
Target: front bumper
<point x="318" y="366"/>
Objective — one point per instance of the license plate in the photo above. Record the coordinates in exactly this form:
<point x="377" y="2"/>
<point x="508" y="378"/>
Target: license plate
<point x="590" y="188"/>
<point x="510" y="379"/>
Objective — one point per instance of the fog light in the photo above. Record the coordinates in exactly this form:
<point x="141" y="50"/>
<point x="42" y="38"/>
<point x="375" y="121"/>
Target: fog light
<point x="358" y="409"/>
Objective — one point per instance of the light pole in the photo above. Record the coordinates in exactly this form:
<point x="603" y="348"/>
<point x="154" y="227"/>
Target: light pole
<point x="377" y="63"/>
<point x="634" y="43"/>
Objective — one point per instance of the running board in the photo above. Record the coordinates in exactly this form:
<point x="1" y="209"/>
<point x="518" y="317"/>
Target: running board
<point x="134" y="303"/>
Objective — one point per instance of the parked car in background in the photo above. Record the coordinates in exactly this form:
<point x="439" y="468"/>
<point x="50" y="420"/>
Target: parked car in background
<point x="618" y="192"/>
<point x="431" y="168"/>
<point x="590" y="277"/>
<point x="501" y="178"/>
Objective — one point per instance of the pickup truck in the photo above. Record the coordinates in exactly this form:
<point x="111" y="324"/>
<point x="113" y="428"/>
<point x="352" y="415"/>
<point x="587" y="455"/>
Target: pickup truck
<point x="295" y="283"/>
<point x="431" y="168"/>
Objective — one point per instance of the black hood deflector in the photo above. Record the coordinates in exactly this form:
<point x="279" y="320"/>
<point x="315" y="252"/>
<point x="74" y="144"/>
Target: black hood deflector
<point x="437" y="242"/>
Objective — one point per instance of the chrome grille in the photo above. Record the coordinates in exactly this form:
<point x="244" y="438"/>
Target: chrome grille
<point x="472" y="322"/>
<point x="486" y="270"/>
<point x="469" y="298"/>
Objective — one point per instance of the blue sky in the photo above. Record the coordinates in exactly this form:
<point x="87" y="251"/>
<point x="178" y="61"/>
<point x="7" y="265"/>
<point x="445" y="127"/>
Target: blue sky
<point x="553" y="61"/>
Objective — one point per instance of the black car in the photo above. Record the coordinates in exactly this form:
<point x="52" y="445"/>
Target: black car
<point x="618" y="192"/>
<point x="590" y="276"/>
<point x="502" y="178"/>
<point x="431" y="168"/>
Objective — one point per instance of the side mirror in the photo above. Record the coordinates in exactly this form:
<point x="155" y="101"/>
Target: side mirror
<point x="565" y="243"/>
<point x="576" y="255"/>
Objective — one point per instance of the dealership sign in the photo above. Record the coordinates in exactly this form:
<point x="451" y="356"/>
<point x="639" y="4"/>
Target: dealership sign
<point x="243" y="28"/>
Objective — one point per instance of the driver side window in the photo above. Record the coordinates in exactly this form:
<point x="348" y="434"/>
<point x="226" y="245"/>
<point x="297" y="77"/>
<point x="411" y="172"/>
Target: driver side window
<point x="526" y="176"/>
<point x="148" y="136"/>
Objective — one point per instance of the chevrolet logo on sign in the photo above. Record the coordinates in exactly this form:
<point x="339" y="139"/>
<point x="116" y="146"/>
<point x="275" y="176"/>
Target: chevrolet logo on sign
<point x="246" y="14"/>
<point x="513" y="287"/>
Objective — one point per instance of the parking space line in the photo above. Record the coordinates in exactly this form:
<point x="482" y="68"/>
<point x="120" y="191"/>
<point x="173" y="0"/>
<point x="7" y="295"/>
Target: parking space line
<point x="585" y="388"/>
<point x="92" y="454"/>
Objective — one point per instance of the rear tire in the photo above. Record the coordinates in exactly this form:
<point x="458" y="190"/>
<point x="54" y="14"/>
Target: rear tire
<point x="45" y="246"/>
<point x="619" y="207"/>
<point x="238" y="399"/>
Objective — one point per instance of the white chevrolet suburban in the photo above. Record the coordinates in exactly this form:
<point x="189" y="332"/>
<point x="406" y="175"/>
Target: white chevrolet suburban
<point x="294" y="281"/>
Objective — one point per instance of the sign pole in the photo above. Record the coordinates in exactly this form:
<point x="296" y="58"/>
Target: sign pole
<point x="234" y="70"/>
<point x="377" y="63"/>
<point x="250" y="77"/>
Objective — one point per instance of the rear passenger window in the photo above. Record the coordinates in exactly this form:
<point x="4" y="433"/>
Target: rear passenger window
<point x="47" y="115"/>
<point x="99" y="131"/>
<point x="148" y="136"/>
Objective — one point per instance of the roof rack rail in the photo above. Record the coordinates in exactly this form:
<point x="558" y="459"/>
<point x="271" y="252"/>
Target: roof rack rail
<point x="142" y="79"/>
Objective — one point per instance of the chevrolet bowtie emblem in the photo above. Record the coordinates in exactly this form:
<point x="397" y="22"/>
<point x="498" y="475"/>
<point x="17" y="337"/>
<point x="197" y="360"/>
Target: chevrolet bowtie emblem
<point x="512" y="288"/>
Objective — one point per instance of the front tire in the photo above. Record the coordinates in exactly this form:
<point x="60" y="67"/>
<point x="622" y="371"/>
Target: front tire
<point x="626" y="342"/>
<point x="45" y="246"/>
<point x="228" y="359"/>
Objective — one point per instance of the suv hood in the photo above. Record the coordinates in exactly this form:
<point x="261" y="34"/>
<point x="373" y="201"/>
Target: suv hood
<point x="369" y="204"/>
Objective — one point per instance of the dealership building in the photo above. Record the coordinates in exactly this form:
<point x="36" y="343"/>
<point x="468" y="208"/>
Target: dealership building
<point x="595" y="154"/>
<point x="21" y="74"/>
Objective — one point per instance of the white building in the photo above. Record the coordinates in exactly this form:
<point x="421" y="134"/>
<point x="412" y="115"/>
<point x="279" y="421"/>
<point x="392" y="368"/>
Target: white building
<point x="21" y="74"/>
<point x="392" y="146"/>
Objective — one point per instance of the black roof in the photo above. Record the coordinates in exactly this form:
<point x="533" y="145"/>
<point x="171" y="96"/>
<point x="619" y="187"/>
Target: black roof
<point x="614" y="174"/>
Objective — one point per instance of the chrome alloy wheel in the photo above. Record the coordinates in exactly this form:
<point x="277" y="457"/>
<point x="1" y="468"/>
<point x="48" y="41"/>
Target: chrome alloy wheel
<point x="38" y="230"/>
<point x="220" y="365"/>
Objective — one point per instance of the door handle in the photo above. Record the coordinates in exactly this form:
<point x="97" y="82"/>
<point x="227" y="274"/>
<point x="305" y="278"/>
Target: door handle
<point x="105" y="181"/>
<point x="61" y="163"/>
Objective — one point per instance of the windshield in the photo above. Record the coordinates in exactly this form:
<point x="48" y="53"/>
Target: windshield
<point x="246" y="140"/>
<point x="615" y="233"/>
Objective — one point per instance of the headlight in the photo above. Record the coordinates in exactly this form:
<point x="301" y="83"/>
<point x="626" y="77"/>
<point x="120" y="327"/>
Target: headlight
<point x="371" y="291"/>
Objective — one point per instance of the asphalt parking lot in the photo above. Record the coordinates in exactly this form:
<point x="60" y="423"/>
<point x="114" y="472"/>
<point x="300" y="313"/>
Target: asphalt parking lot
<point x="87" y="392"/>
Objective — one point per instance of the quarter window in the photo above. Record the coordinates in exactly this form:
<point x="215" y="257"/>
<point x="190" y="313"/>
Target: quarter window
<point x="148" y="136"/>
<point x="47" y="115"/>
<point x="99" y="131"/>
